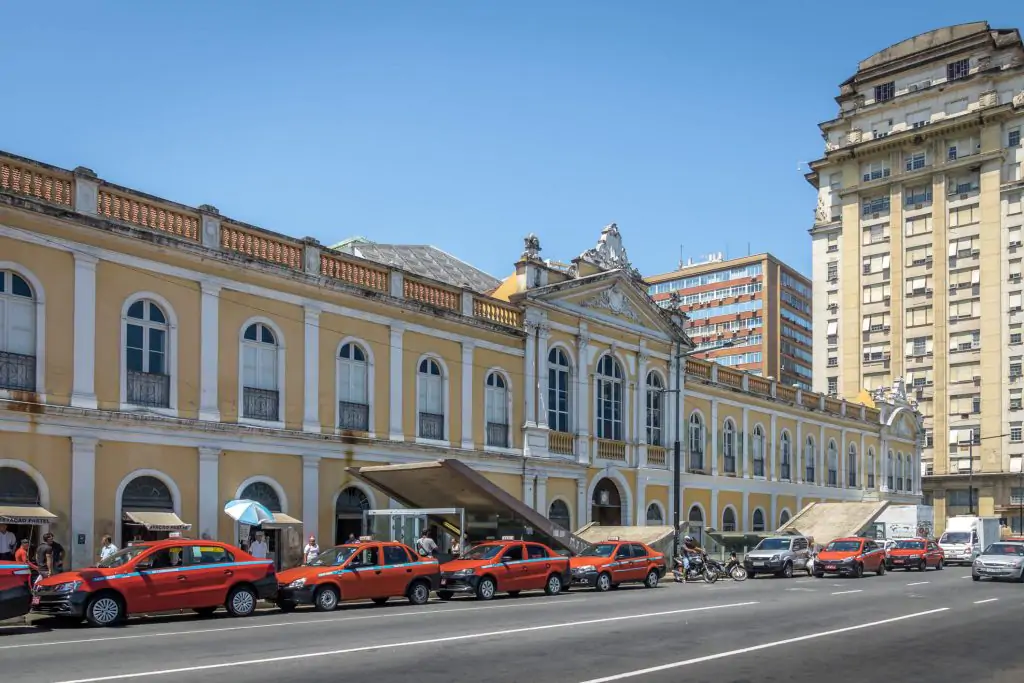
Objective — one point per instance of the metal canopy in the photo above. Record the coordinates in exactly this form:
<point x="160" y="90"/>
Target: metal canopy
<point x="450" y="483"/>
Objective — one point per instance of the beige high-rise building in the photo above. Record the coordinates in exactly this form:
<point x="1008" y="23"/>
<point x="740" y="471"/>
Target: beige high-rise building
<point x="918" y="258"/>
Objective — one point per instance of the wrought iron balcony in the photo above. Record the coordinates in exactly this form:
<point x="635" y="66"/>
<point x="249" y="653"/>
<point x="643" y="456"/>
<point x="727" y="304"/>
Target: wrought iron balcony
<point x="17" y="371"/>
<point x="497" y="434"/>
<point x="759" y="467"/>
<point x="260" y="404"/>
<point x="353" y="416"/>
<point x="432" y="426"/>
<point x="697" y="461"/>
<point x="147" y="389"/>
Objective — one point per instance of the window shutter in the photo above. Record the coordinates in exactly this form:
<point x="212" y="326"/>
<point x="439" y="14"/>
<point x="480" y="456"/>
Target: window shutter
<point x="249" y="377"/>
<point x="866" y="324"/>
<point x="910" y="348"/>
<point x="952" y="249"/>
<point x="975" y="276"/>
<point x="21" y="336"/>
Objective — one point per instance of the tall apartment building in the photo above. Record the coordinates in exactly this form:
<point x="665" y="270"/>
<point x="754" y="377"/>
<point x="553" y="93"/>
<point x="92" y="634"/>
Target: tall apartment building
<point x="752" y="313"/>
<point x="918" y="252"/>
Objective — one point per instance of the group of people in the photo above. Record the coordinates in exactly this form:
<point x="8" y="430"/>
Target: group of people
<point x="47" y="560"/>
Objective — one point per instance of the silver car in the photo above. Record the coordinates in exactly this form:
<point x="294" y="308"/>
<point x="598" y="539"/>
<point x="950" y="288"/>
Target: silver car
<point x="779" y="555"/>
<point x="1000" y="561"/>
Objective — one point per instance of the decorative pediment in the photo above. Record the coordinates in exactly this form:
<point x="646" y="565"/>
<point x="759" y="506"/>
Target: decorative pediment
<point x="608" y="254"/>
<point x="615" y="300"/>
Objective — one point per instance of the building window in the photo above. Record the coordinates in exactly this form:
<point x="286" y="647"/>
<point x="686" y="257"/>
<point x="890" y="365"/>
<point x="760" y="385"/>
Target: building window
<point x="430" y="394"/>
<point x="871" y="469"/>
<point x="961" y="498"/>
<point x="559" y="383"/>
<point x="146" y="333"/>
<point x="757" y="448"/>
<point x="609" y="399"/>
<point x="890" y="471"/>
<point x="353" y="388"/>
<point x="496" y="410"/>
<point x="1013" y="139"/>
<point x="260" y="390"/>
<point x="833" y="270"/>
<point x="833" y="464"/>
<point x="559" y="514"/>
<point x="961" y="68"/>
<point x="851" y="467"/>
<point x="655" y="399"/>
<point x="17" y="333"/>
<point x="784" y="518"/>
<point x="786" y="457"/>
<point x="729" y="446"/>
<point x="758" y="520"/>
<point x="833" y="386"/>
<point x="655" y="517"/>
<point x="696" y="442"/>
<point x="899" y="471"/>
<point x="908" y="477"/>
<point x="728" y="519"/>
<point x="915" y="162"/>
<point x="885" y="91"/>
<point x="1016" y="434"/>
<point x="809" y="459"/>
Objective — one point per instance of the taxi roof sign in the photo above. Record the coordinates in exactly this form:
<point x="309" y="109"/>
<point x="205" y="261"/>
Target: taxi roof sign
<point x="613" y="538"/>
<point x="508" y="538"/>
<point x="366" y="538"/>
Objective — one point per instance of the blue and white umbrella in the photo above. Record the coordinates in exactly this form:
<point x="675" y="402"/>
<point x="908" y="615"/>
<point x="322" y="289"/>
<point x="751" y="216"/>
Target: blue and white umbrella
<point x="248" y="512"/>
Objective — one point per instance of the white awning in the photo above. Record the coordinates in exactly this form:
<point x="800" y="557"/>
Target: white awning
<point x="25" y="514"/>
<point x="281" y="520"/>
<point x="156" y="521"/>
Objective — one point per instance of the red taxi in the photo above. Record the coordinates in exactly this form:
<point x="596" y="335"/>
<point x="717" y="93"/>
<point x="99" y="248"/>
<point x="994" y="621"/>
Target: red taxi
<point x="506" y="566"/>
<point x="914" y="553"/>
<point x="850" y="557"/>
<point x="604" y="566"/>
<point x="357" y="571"/>
<point x="161" y="576"/>
<point x="15" y="595"/>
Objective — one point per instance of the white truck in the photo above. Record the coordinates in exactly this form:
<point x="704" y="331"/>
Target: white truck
<point x="904" y="521"/>
<point x="967" y="536"/>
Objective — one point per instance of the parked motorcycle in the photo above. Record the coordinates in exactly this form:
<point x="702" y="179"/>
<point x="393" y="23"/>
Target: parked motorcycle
<point x="732" y="569"/>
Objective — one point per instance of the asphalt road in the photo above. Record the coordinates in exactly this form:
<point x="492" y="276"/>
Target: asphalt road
<point x="937" y="626"/>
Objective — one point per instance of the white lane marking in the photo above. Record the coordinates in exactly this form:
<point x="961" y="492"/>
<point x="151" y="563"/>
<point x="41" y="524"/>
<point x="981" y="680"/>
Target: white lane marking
<point x="965" y="577"/>
<point x="428" y="641"/>
<point x="982" y="602"/>
<point x="848" y="592"/>
<point x="307" y="622"/>
<point x="755" y="648"/>
<point x="918" y="583"/>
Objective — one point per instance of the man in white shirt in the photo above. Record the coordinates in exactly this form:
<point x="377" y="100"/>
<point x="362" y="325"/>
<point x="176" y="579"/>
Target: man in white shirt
<point x="8" y="543"/>
<point x="258" y="549"/>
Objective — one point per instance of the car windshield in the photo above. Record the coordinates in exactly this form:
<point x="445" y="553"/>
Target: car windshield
<point x="1005" y="549"/>
<point x="599" y="550"/>
<point x="483" y="552"/>
<point x="123" y="557"/>
<point x="774" y="544"/>
<point x="956" y="537"/>
<point x="333" y="557"/>
<point x="910" y="545"/>
<point x="843" y="546"/>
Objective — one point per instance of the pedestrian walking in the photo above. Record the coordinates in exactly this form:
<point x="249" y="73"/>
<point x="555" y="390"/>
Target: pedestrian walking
<point x="8" y="543"/>
<point x="425" y="545"/>
<point x="107" y="548"/>
<point x="312" y="550"/>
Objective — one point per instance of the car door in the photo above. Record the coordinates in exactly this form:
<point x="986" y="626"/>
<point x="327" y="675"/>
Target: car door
<point x="165" y="586"/>
<point x="641" y="560"/>
<point x="511" y="570"/>
<point x="364" y="578"/>
<point x="210" y="573"/>
<point x="873" y="556"/>
<point x="934" y="554"/>
<point x="801" y="554"/>
<point x="398" y="570"/>
<point x="622" y="564"/>
<point x="540" y="563"/>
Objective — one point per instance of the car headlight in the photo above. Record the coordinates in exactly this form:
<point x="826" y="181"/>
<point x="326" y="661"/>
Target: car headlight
<point x="68" y="587"/>
<point x="585" y="568"/>
<point x="775" y="558"/>
<point x="463" y="572"/>
<point x="850" y="560"/>
<point x="297" y="583"/>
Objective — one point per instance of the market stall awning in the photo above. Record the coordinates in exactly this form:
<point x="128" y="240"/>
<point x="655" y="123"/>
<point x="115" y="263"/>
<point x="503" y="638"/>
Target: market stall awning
<point x="280" y="520"/>
<point x="25" y="514"/>
<point x="156" y="521"/>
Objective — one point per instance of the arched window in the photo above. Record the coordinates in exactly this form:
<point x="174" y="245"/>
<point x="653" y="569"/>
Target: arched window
<point x="696" y="522"/>
<point x="559" y="392"/>
<point x="786" y="457"/>
<point x="17" y="333"/>
<point x="851" y="467"/>
<point x="908" y="477"/>
<point x="609" y="399"/>
<point x="141" y="497"/>
<point x="430" y="378"/>
<point x="260" y="389"/>
<point x="147" y="493"/>
<point x="263" y="493"/>
<point x="783" y="518"/>
<point x="871" y="468"/>
<point x="890" y="471"/>
<point x="148" y="380"/>
<point x="810" y="459"/>
<point x="757" y="449"/>
<point x="697" y="439"/>
<point x="899" y="471"/>
<point x="833" y="464"/>
<point x="729" y="446"/>
<point x="348" y="514"/>
<point x="758" y="520"/>
<point x="17" y="488"/>
<point x="655" y="517"/>
<point x="353" y="388"/>
<point x="558" y="512"/>
<point x="496" y="411"/>
<point x="728" y="519"/>
<point x="655" y="399"/>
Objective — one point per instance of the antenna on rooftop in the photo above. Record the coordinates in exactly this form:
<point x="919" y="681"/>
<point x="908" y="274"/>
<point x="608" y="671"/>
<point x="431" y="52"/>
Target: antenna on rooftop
<point x="680" y="257"/>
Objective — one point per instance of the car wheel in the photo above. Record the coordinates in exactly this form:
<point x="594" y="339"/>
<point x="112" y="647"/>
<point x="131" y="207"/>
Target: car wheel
<point x="881" y="569"/>
<point x="104" y="610"/>
<point x="326" y="599"/>
<point x="975" y="577"/>
<point x="445" y="595"/>
<point x="922" y="566"/>
<point x="858" y="571"/>
<point x="940" y="565"/>
<point x="554" y="585"/>
<point x="787" y="571"/>
<point x="1020" y="578"/>
<point x="205" y="611"/>
<point x="241" y="602"/>
<point x="652" y="579"/>
<point x="485" y="589"/>
<point x="604" y="582"/>
<point x="380" y="601"/>
<point x="419" y="593"/>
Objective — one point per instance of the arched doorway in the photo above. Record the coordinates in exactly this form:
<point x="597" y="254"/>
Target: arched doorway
<point x="265" y="494"/>
<point x="147" y="511"/>
<point x="21" y="510"/>
<point x="348" y="513"/>
<point x="606" y="505"/>
<point x="558" y="513"/>
<point x="695" y="523"/>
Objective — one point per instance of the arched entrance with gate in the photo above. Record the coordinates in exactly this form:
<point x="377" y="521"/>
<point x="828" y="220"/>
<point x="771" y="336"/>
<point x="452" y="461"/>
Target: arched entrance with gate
<point x="264" y="493"/>
<point x="606" y="504"/>
<point x="148" y="510"/>
<point x="21" y="507"/>
<point x="348" y="514"/>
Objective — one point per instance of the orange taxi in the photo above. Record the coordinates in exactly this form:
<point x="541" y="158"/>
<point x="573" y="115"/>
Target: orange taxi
<point x="914" y="553"/>
<point x="377" y="570"/>
<point x="159" y="576"/>
<point x="606" y="565"/>
<point x="507" y="566"/>
<point x="15" y="595"/>
<point x="850" y="557"/>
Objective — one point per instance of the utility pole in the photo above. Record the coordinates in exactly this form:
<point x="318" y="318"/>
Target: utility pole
<point x="677" y="501"/>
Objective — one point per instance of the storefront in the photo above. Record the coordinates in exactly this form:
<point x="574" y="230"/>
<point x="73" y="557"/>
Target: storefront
<point x="148" y="512"/>
<point x="282" y="536"/>
<point x="21" y="510"/>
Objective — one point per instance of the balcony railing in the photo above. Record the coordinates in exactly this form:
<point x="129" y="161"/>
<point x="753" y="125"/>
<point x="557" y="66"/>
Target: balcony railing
<point x="353" y="417"/>
<point x="656" y="456"/>
<point x="759" y="467"/>
<point x="497" y="434"/>
<point x="432" y="426"/>
<point x="260" y="404"/>
<point x="560" y="443"/>
<point x="696" y="461"/>
<point x="851" y="480"/>
<point x="611" y="450"/>
<point x="148" y="389"/>
<point x="17" y="371"/>
<point x="833" y="478"/>
<point x="809" y="475"/>
<point x="729" y="462"/>
<point x="784" y="471"/>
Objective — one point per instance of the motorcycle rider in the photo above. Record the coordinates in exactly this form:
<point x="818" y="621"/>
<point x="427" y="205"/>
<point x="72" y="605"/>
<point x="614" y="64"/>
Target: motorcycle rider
<point x="691" y="554"/>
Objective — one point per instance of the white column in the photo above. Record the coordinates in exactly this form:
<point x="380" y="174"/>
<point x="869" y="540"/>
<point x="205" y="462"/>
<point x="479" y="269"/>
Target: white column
<point x="543" y="335"/>
<point x="209" y="492"/>
<point x="772" y="473"/>
<point x="774" y="523"/>
<point x="395" y="387"/>
<point x="746" y="447"/>
<point x="310" y="494"/>
<point x="528" y="477"/>
<point x="822" y="474"/>
<point x="745" y="522"/>
<point x="798" y="453"/>
<point x="716" y="518"/>
<point x="530" y="375"/>
<point x="311" y="413"/>
<point x="541" y="493"/>
<point x="713" y="426"/>
<point x="641" y="413"/>
<point x="209" y="335"/>
<point x="83" y="385"/>
<point x="641" y="501"/>
<point x="862" y="475"/>
<point x="83" y="505"/>
<point x="669" y="406"/>
<point x="467" y="396"/>
<point x="582" y="508"/>
<point x="842" y="459"/>
<point x="582" y="399"/>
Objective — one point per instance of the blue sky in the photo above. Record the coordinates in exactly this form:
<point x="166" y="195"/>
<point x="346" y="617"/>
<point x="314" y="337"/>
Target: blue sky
<point x="461" y="124"/>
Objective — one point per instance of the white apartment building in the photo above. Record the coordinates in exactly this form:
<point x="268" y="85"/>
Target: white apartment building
<point x="917" y="243"/>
